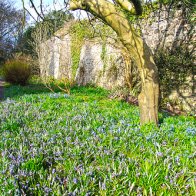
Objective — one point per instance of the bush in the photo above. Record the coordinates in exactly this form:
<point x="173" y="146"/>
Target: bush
<point x="28" y="59"/>
<point x="175" y="68"/>
<point x="63" y="84"/>
<point x="17" y="72"/>
<point x="1" y="71"/>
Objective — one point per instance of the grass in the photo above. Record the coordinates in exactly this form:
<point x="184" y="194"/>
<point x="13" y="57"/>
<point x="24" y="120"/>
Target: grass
<point x="87" y="144"/>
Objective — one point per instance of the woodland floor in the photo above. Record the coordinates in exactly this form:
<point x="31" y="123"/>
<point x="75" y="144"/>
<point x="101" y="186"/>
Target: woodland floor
<point x="88" y="144"/>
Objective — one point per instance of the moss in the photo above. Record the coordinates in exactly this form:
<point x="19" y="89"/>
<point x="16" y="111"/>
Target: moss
<point x="77" y="39"/>
<point x="84" y="30"/>
<point x="79" y="32"/>
<point x="103" y="55"/>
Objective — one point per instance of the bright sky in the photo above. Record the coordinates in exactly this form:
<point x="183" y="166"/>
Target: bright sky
<point x="48" y="6"/>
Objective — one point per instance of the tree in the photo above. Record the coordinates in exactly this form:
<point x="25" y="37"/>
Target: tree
<point x="57" y="19"/>
<point x="113" y="14"/>
<point x="42" y="30"/>
<point x="10" y="26"/>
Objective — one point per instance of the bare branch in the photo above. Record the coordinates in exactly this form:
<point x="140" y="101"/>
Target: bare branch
<point x="41" y="7"/>
<point x="33" y="6"/>
<point x="30" y="14"/>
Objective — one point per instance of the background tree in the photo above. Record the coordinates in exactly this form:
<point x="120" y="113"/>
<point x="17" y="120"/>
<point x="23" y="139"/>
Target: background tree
<point x="45" y="29"/>
<point x="35" y="35"/>
<point x="10" y="27"/>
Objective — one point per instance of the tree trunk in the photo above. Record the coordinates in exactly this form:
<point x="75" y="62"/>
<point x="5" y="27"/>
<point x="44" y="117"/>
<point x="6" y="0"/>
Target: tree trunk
<point x="139" y="51"/>
<point x="149" y="95"/>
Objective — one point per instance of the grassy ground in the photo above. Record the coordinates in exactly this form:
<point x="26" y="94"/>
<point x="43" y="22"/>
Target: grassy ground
<point x="87" y="144"/>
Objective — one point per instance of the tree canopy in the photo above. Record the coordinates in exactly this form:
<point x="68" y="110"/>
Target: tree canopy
<point x="52" y="22"/>
<point x="10" y="26"/>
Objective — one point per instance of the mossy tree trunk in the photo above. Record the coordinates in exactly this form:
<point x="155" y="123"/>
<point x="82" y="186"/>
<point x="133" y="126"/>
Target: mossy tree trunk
<point x="139" y="51"/>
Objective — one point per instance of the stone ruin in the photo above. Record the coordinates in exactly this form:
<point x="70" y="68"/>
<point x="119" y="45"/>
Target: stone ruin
<point x="109" y="72"/>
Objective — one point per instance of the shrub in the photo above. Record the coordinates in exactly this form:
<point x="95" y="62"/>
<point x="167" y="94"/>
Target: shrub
<point x="1" y="71"/>
<point x="175" y="68"/>
<point x="17" y="72"/>
<point x="28" y="59"/>
<point x="63" y="84"/>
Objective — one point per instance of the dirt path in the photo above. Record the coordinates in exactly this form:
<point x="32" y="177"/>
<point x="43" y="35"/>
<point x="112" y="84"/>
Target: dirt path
<point x="1" y="88"/>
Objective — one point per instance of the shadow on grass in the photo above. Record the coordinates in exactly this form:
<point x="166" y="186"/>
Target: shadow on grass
<point x="14" y="91"/>
<point x="89" y="91"/>
<point x="94" y="93"/>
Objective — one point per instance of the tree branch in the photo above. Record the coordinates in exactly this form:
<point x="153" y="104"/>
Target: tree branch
<point x="138" y="6"/>
<point x="33" y="5"/>
<point x="106" y="11"/>
<point x="126" y="5"/>
<point x="41" y="7"/>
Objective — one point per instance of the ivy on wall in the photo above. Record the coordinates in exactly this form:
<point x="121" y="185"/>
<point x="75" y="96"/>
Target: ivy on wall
<point x="83" y="30"/>
<point x="176" y="70"/>
<point x="78" y="32"/>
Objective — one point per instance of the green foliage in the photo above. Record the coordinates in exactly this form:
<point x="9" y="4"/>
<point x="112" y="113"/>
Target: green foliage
<point x="58" y="19"/>
<point x="87" y="144"/>
<point x="53" y="21"/>
<point x="103" y="52"/>
<point x="79" y="31"/>
<point x="84" y="30"/>
<point x="175" y="66"/>
<point x="1" y="71"/>
<point x="188" y="7"/>
<point x="63" y="84"/>
<point x="25" y="42"/>
<point x="16" y="72"/>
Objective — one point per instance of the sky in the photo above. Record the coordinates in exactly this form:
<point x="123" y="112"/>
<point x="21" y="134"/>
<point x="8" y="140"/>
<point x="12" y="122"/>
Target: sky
<point x="49" y="5"/>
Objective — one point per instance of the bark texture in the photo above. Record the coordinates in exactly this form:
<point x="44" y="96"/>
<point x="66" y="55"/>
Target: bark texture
<point x="137" y="48"/>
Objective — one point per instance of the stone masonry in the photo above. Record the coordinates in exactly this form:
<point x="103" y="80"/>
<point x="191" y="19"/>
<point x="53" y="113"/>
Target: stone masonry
<point x="108" y="71"/>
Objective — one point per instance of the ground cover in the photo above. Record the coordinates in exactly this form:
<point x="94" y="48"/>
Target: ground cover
<point x="87" y="144"/>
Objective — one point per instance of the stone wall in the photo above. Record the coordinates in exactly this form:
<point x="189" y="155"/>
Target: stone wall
<point x="170" y="28"/>
<point x="167" y="28"/>
<point x="106" y="67"/>
<point x="105" y="70"/>
<point x="55" y="57"/>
